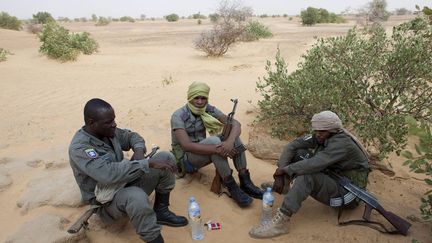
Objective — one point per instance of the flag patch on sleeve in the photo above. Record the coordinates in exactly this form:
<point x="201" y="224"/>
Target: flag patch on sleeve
<point x="91" y="153"/>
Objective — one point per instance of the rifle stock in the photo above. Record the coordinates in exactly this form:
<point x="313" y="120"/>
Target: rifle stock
<point x="399" y="223"/>
<point x="82" y="221"/>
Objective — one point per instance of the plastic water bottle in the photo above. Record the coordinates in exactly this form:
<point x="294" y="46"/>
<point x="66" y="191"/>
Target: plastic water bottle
<point x="267" y="208"/>
<point x="195" y="222"/>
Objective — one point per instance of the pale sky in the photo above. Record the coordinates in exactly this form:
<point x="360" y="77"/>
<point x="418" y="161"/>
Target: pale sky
<point x="24" y="9"/>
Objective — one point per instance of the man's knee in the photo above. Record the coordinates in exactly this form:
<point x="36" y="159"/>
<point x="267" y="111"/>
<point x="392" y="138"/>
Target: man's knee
<point x="134" y="199"/>
<point x="213" y="140"/>
<point x="165" y="155"/>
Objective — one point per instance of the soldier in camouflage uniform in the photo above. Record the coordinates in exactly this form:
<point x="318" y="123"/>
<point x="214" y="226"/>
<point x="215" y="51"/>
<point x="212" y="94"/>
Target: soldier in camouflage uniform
<point x="119" y="186"/>
<point x="194" y="150"/>
<point x="305" y="161"/>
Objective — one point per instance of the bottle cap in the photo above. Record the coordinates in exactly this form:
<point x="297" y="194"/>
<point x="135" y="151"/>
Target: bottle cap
<point x="192" y="199"/>
<point x="269" y="189"/>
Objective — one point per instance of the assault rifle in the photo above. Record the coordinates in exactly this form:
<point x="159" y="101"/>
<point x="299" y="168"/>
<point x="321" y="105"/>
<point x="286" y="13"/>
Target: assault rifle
<point x="82" y="222"/>
<point x="216" y="186"/>
<point x="401" y="225"/>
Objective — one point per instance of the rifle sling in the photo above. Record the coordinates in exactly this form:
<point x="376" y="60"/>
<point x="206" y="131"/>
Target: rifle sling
<point x="368" y="223"/>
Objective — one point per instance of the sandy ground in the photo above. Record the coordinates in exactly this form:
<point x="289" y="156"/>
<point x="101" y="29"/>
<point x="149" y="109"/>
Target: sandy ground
<point x="42" y="102"/>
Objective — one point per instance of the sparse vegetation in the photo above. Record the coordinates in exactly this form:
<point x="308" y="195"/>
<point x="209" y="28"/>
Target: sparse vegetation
<point x="312" y="16"/>
<point x="127" y="19"/>
<point x="255" y="30"/>
<point x="102" y="21"/>
<point x="9" y="22"/>
<point x="402" y="11"/>
<point x="58" y="43"/>
<point x="42" y="18"/>
<point x="3" y="54"/>
<point x="226" y="31"/>
<point x="377" y="12"/>
<point x="167" y="80"/>
<point x="421" y="162"/>
<point x="198" y="16"/>
<point x="214" y="17"/>
<point x="373" y="81"/>
<point x="172" y="17"/>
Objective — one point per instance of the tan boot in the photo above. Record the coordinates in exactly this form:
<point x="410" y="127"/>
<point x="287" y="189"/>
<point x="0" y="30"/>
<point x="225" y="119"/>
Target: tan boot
<point x="277" y="226"/>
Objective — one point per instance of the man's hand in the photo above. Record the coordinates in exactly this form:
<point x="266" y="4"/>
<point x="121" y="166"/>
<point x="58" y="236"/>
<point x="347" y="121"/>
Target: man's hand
<point x="138" y="154"/>
<point x="162" y="165"/>
<point x="279" y="177"/>
<point x="226" y="149"/>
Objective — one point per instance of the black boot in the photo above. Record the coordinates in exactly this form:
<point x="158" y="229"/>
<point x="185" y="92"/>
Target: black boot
<point x="158" y="239"/>
<point x="247" y="185"/>
<point x="241" y="198"/>
<point x="164" y="215"/>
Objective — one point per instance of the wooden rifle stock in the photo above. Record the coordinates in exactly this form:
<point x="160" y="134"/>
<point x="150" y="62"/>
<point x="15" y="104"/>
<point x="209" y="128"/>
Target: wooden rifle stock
<point x="400" y="224"/>
<point x="82" y="221"/>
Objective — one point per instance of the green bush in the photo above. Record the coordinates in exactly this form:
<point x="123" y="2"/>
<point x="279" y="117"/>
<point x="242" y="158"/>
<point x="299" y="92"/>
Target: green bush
<point x="312" y="16"/>
<point x="373" y="81"/>
<point x="214" y="17"/>
<point x="3" y="54"/>
<point x="127" y="19"/>
<point x="255" y="30"/>
<point x="102" y="21"/>
<point x="58" y="43"/>
<point x="172" y="17"/>
<point x="42" y="18"/>
<point x="9" y="22"/>
<point x="421" y="162"/>
<point x="198" y="16"/>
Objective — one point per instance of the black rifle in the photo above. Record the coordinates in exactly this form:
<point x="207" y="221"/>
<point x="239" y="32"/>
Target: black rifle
<point x="82" y="222"/>
<point x="400" y="224"/>
<point x="216" y="186"/>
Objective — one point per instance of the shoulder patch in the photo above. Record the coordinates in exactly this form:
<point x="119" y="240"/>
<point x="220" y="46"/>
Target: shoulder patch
<point x="91" y="153"/>
<point x="307" y="137"/>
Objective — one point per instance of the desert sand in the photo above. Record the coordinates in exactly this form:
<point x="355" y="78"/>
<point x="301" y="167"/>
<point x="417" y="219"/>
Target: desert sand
<point x="41" y="108"/>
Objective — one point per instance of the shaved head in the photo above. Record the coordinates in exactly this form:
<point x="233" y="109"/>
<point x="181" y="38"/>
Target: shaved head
<point x="94" y="108"/>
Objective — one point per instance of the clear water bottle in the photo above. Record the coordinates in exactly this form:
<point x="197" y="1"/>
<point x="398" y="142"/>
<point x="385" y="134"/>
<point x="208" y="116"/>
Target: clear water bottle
<point x="267" y="206"/>
<point x="195" y="222"/>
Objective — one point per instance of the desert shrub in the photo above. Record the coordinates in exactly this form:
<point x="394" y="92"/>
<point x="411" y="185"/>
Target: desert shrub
<point x="198" y="16"/>
<point x="402" y="11"/>
<point x="263" y="16"/>
<point x="255" y="31"/>
<point x="199" y="21"/>
<point x="102" y="21"/>
<point x="34" y="28"/>
<point x="373" y="81"/>
<point x="142" y="17"/>
<point x="422" y="161"/>
<point x="9" y="22"/>
<point x="226" y="31"/>
<point x="42" y="18"/>
<point x="58" y="43"/>
<point x="312" y="16"/>
<point x="94" y="18"/>
<point x="172" y="17"/>
<point x="63" y="19"/>
<point x="214" y="17"/>
<point x="285" y="15"/>
<point x="127" y="19"/>
<point x="3" y="54"/>
<point x="377" y="12"/>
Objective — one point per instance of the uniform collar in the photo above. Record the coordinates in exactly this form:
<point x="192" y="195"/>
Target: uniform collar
<point x="92" y="138"/>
